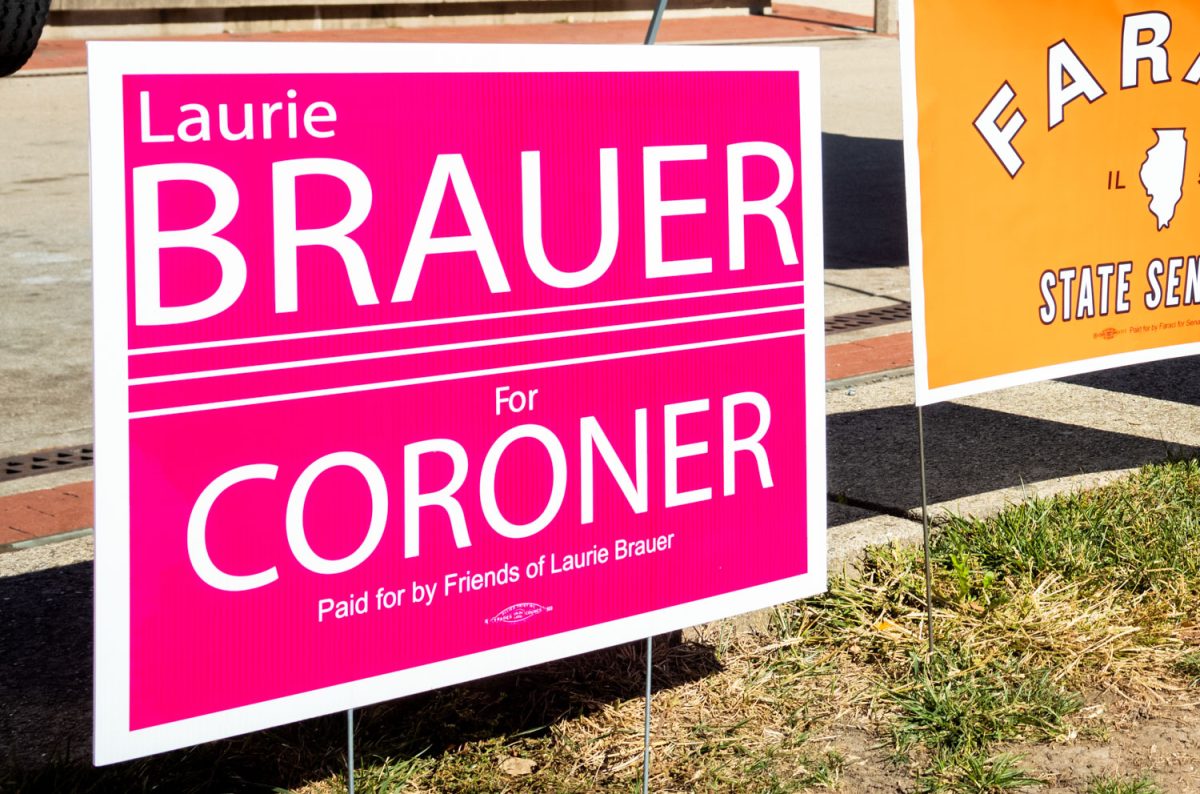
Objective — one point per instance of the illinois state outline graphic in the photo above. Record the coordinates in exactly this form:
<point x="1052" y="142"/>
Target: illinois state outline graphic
<point x="1162" y="174"/>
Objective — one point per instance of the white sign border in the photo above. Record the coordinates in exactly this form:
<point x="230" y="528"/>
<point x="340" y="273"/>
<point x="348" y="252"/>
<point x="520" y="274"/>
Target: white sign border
<point x="925" y="394"/>
<point x="108" y="63"/>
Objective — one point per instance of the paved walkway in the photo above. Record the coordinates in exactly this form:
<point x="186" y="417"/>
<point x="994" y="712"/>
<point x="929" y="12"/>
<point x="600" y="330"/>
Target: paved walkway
<point x="787" y="23"/>
<point x="33" y="513"/>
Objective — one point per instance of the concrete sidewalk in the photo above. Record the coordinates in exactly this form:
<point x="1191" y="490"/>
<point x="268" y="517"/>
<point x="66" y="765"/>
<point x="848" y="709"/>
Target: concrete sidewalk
<point x="36" y="509"/>
<point x="1040" y="438"/>
<point x="982" y="452"/>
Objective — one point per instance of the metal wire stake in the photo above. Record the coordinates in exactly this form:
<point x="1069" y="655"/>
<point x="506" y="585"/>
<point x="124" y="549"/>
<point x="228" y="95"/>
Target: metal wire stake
<point x="925" y="533"/>
<point x="651" y="35"/>
<point x="350" y="747"/>
<point x="655" y="21"/>
<point x="649" y="680"/>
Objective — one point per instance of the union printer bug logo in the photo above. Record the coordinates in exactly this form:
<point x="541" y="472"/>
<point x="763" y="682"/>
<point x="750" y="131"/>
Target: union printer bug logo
<point x="518" y="613"/>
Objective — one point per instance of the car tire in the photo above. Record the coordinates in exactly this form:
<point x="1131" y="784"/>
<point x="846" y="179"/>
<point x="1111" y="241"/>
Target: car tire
<point x="21" y="24"/>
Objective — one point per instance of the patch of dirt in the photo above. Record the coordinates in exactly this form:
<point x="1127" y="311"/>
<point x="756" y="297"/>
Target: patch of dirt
<point x="868" y="769"/>
<point x="1156" y="736"/>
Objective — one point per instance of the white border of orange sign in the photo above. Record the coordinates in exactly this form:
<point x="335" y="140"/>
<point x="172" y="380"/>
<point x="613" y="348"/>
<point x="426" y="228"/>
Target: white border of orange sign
<point x="1057" y="356"/>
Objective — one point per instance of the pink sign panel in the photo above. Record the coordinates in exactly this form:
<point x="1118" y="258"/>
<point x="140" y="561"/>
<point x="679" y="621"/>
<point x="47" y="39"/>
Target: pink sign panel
<point x="417" y="364"/>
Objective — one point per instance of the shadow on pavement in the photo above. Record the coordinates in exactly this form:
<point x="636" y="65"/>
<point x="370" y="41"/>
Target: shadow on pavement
<point x="46" y="706"/>
<point x="45" y="665"/>
<point x="1176" y="380"/>
<point x="874" y="454"/>
<point x="865" y="216"/>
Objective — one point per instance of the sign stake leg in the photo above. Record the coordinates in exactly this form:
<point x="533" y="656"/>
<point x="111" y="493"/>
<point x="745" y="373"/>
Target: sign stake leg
<point x="655" y="21"/>
<point x="350" y="749"/>
<point x="649" y="681"/>
<point x="651" y="35"/>
<point x="925" y="533"/>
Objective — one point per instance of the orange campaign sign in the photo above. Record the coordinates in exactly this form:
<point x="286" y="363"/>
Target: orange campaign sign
<point x="1053" y="169"/>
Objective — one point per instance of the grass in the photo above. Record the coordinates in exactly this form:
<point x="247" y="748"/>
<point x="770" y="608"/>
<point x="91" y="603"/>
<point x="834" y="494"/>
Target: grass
<point x="1188" y="666"/>
<point x="1123" y="786"/>
<point x="1034" y="607"/>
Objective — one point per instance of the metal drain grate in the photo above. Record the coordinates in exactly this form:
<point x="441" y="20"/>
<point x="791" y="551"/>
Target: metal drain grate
<point x="894" y="313"/>
<point x="45" y="462"/>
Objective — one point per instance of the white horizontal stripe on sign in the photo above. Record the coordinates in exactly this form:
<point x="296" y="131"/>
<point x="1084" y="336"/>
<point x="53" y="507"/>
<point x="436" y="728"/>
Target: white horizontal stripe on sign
<point x="313" y="362"/>
<point x="275" y="398"/>
<point x="364" y="329"/>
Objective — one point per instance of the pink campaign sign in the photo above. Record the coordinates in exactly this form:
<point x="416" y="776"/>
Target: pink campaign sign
<point x="451" y="361"/>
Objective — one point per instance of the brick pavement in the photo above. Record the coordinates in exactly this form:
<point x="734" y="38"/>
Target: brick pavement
<point x="868" y="356"/>
<point x="40" y="514"/>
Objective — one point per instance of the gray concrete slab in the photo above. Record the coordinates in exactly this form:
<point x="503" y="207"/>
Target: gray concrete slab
<point x="47" y="558"/>
<point x="860" y="88"/>
<point x="45" y="265"/>
<point x="852" y="529"/>
<point x="890" y="283"/>
<point x="998" y="448"/>
<point x="842" y="300"/>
